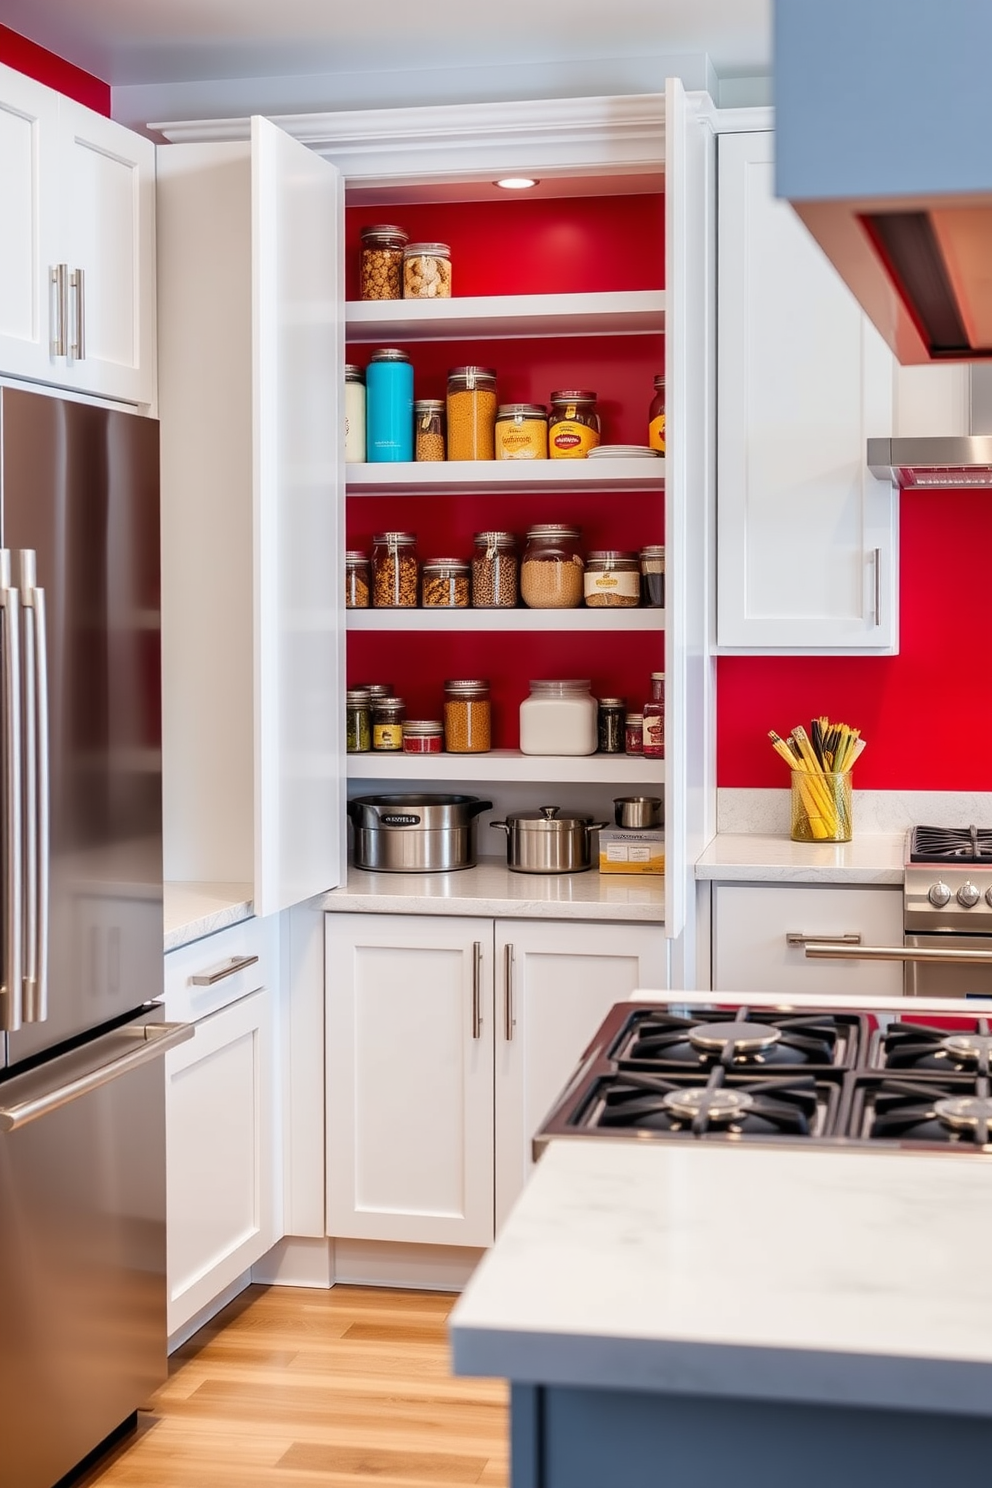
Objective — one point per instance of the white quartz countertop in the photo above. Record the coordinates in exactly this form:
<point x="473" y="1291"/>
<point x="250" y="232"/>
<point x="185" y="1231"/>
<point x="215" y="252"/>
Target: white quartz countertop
<point x="839" y="1277"/>
<point x="491" y="889"/>
<point x="193" y="910"/>
<point x="754" y="857"/>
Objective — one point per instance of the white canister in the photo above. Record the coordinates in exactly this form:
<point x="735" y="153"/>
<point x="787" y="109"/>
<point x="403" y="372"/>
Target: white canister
<point x="354" y="414"/>
<point x="559" y="717"/>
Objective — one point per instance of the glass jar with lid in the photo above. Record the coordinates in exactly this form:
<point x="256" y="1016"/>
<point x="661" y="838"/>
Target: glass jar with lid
<point x="427" y="271"/>
<point x="358" y="721"/>
<point x="423" y="736"/>
<point x="559" y="717"/>
<point x="394" y="571"/>
<point x="354" y="413"/>
<point x="612" y="579"/>
<point x="634" y="734"/>
<point x="387" y="724"/>
<point x="494" y="571"/>
<point x="382" y="262"/>
<point x="551" y="572"/>
<point x="446" y="584"/>
<point x="574" y="424"/>
<point x="522" y="431"/>
<point x="471" y="405"/>
<point x="467" y="717"/>
<point x="656" y="416"/>
<point x="428" y="429"/>
<point x="652" y="560"/>
<point x="357" y="581"/>
<point x="610" y="725"/>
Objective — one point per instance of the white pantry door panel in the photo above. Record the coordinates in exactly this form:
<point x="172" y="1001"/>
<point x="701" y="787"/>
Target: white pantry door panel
<point x="298" y="423"/>
<point x="28" y="196"/>
<point x="555" y="983"/>
<point x="806" y="548"/>
<point x="409" y="1079"/>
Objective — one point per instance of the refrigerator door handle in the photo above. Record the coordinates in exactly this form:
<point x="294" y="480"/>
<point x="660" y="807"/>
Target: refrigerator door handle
<point x="10" y="829"/>
<point x="153" y="1040"/>
<point x="34" y="1007"/>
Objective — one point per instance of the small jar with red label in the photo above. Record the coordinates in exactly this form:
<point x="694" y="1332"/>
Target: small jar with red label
<point x="423" y="736"/>
<point x="634" y="734"/>
<point x="573" y="428"/>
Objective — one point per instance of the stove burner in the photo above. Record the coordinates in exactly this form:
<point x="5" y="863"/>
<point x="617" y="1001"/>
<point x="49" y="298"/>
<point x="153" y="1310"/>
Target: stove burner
<point x="950" y="845"/>
<point x="970" y="1049"/>
<point x="966" y="1113"/>
<point x="739" y="1041"/>
<point x="747" y="1038"/>
<point x="917" y="1046"/>
<point x="714" y="1106"/>
<point x="955" y="1113"/>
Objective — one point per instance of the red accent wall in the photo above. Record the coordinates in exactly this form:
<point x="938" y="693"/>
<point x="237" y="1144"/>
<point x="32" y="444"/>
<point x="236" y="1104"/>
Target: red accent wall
<point x="45" y="67"/>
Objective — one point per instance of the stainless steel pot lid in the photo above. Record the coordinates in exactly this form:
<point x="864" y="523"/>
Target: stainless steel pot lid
<point x="547" y="819"/>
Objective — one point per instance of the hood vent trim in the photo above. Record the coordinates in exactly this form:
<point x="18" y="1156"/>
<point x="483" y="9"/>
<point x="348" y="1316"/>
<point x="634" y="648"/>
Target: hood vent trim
<point x="960" y="463"/>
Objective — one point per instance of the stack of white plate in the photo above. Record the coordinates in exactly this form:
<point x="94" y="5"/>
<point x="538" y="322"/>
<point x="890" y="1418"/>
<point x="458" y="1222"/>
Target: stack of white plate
<point x="622" y="452"/>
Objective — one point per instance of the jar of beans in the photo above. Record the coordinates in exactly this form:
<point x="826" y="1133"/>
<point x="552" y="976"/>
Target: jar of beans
<point x="382" y="262"/>
<point x="357" y="585"/>
<point x="574" y="424"/>
<point x="612" y="579"/>
<point x="394" y="571"/>
<point x="446" y="584"/>
<point x="359" y="721"/>
<point x="428" y="429"/>
<point x="494" y="571"/>
<point x="423" y="736"/>
<point x="387" y="724"/>
<point x="467" y="717"/>
<point x="427" y="271"/>
<point x="471" y="413"/>
<point x="522" y="431"/>
<point x="551" y="573"/>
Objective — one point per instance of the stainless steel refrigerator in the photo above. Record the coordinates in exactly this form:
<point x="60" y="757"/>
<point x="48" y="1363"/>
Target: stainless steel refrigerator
<point x="82" y="1124"/>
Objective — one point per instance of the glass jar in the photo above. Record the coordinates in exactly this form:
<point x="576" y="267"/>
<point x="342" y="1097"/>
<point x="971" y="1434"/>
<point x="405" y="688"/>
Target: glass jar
<point x="633" y="742"/>
<point x="427" y="271"/>
<point x="522" y="431"/>
<point x="656" y="416"/>
<point x="494" y="571"/>
<point x="551" y="573"/>
<point x="382" y="262"/>
<point x="387" y="724"/>
<point x="471" y="413"/>
<point x="610" y="725"/>
<point x="652" y="561"/>
<point x="423" y="736"/>
<point x="428" y="429"/>
<point x="354" y="413"/>
<point x="559" y="717"/>
<point x="446" y="584"/>
<point x="358" y="721"/>
<point x="574" y="424"/>
<point x="376" y="689"/>
<point x="357" y="581"/>
<point x="394" y="571"/>
<point x="654" y="719"/>
<point x="467" y="717"/>
<point x="612" y="579"/>
<point x="389" y="406"/>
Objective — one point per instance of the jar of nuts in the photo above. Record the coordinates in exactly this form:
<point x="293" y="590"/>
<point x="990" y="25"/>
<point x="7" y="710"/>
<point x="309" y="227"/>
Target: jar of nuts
<point x="494" y="571"/>
<point x="467" y="717"/>
<point x="382" y="262"/>
<point x="427" y="271"/>
<point x="612" y="579"/>
<point x="446" y="584"/>
<point x="357" y="588"/>
<point x="471" y="413"/>
<point x="428" y="429"/>
<point x="551" y="573"/>
<point x="394" y="570"/>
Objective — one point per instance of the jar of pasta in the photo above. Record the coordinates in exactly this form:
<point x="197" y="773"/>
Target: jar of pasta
<point x="522" y="431"/>
<point x="467" y="717"/>
<point x="394" y="571"/>
<point x="428" y="429"/>
<point x="382" y="262"/>
<point x="427" y="271"/>
<point x="471" y="413"/>
<point x="551" y="573"/>
<point x="574" y="425"/>
<point x="446" y="584"/>
<point x="357" y="584"/>
<point x="612" y="579"/>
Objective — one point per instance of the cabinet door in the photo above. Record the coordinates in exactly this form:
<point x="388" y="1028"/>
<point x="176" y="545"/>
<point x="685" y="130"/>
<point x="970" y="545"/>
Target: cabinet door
<point x="555" y="984"/>
<point x="410" y="1078"/>
<point x="220" y="1153"/>
<point x="28" y="163"/>
<point x="806" y="538"/>
<point x="751" y="954"/>
<point x="107" y="239"/>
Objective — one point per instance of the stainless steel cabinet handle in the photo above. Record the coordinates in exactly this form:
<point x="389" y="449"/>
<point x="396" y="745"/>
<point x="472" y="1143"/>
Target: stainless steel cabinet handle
<point x="36" y="794"/>
<point x="59" y="280"/>
<point x="10" y="846"/>
<point x="155" y="1039"/>
<point x="77" y="281"/>
<point x="877" y="565"/>
<point x="226" y="969"/>
<point x="477" y="989"/>
<point x="508" y="1018"/>
<point x="797" y="938"/>
<point x="831" y="952"/>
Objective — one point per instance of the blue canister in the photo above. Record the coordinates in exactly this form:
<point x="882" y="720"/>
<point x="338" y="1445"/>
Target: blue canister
<point x="389" y="406"/>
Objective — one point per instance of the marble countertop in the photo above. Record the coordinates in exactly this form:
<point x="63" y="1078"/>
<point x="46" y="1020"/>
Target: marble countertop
<point x="193" y="910"/>
<point x="646" y="1266"/>
<point x="757" y="857"/>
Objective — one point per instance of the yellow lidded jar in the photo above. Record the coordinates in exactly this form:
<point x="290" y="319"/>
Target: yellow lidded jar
<point x="574" y="425"/>
<point x="522" y="431"/>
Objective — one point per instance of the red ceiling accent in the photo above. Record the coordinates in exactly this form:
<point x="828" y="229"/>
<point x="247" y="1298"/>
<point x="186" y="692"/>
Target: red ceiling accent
<point x="45" y="67"/>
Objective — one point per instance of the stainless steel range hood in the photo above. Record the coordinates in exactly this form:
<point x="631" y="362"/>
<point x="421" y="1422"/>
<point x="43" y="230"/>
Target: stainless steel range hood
<point x="955" y="462"/>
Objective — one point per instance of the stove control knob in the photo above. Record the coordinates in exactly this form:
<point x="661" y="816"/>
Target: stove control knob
<point x="968" y="895"/>
<point x="988" y="897"/>
<point x="939" y="894"/>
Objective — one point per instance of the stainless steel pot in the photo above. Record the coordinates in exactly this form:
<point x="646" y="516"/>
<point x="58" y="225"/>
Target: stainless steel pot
<point x="415" y="833"/>
<point x="543" y="842"/>
<point x="638" y="811"/>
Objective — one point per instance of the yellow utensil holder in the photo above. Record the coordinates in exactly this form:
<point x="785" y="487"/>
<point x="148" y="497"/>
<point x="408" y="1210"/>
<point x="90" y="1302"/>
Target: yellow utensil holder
<point x="821" y="807"/>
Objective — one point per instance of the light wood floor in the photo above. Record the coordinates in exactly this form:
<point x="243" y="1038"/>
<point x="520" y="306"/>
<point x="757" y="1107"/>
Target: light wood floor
<point x="296" y="1387"/>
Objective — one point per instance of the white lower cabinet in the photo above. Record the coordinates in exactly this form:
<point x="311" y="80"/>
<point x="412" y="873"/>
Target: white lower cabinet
<point x="447" y="1041"/>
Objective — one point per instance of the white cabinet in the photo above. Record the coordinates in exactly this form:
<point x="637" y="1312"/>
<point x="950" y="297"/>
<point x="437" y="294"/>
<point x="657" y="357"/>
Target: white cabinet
<point x="448" y="1039"/>
<point x="251" y="349"/>
<point x="77" y="263"/>
<point x="751" y="952"/>
<point x="807" y="552"/>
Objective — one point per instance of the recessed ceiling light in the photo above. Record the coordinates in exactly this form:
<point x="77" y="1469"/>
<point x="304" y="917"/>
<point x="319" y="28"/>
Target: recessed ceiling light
<point x="517" y="183"/>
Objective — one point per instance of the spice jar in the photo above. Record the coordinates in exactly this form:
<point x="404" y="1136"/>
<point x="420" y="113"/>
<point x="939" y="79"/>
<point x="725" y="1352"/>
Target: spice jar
<point x="428" y="429"/>
<point x="389" y="406"/>
<point x="551" y="573"/>
<point x="446" y="584"/>
<point x="522" y="431"/>
<point x="494" y="571"/>
<point x="612" y="578"/>
<point x="471" y="413"/>
<point x="574" y="425"/>
<point x="654" y="719"/>
<point x="358" y="729"/>
<point x="467" y="717"/>
<point x="357" y="588"/>
<point x="610" y="725"/>
<point x="427" y="271"/>
<point x="633" y="742"/>
<point x="354" y="413"/>
<point x="387" y="724"/>
<point x="423" y="736"/>
<point x="376" y="689"/>
<point x="382" y="262"/>
<point x="559" y="717"/>
<point x="394" y="571"/>
<point x="656" y="416"/>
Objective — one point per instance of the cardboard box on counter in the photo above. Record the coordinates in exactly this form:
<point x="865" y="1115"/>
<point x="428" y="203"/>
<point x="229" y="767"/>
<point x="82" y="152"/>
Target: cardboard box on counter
<point x="629" y="851"/>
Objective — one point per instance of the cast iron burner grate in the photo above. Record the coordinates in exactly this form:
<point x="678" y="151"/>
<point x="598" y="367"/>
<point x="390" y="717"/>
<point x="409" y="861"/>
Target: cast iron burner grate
<point x="726" y="1106"/>
<point x="950" y="1113"/>
<point x="916" y="1046"/>
<point x="739" y="1041"/>
<point x="950" y="845"/>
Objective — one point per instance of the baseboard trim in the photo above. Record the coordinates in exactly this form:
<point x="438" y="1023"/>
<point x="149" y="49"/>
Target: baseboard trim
<point x="297" y="1260"/>
<point x="429" y="1268"/>
<point x="195" y="1323"/>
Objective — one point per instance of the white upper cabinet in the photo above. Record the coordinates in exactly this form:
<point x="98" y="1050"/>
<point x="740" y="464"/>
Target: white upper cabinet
<point x="806" y="551"/>
<point x="29" y="118"/>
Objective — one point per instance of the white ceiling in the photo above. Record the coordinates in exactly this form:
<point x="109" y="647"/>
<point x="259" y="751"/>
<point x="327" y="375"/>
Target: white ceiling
<point x="164" y="41"/>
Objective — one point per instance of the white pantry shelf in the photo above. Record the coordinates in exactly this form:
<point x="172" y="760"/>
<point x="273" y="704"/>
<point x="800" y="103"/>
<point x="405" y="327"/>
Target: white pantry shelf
<point x="510" y="764"/>
<point x="469" y="477"/>
<point x="507" y="620"/>
<point x="503" y="317"/>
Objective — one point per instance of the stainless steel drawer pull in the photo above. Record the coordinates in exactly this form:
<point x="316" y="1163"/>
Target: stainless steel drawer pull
<point x="477" y="989"/>
<point x="508" y="1019"/>
<point x="225" y="969"/>
<point x="77" y="347"/>
<point x="59" y="279"/>
<point x="829" y="952"/>
<point x="797" y="938"/>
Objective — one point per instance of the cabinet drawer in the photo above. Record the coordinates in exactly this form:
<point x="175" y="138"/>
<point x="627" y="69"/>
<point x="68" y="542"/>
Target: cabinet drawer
<point x="234" y="962"/>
